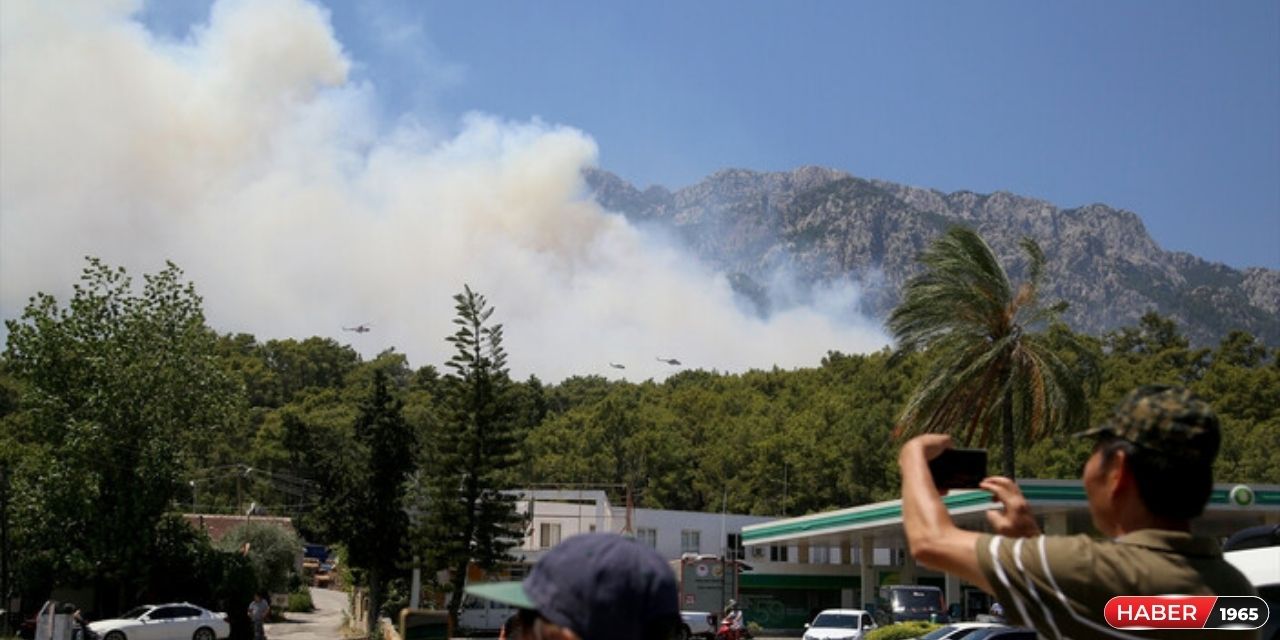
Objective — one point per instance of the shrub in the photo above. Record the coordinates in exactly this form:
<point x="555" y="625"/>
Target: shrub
<point x="272" y="551"/>
<point x="395" y="598"/>
<point x="300" y="601"/>
<point x="902" y="631"/>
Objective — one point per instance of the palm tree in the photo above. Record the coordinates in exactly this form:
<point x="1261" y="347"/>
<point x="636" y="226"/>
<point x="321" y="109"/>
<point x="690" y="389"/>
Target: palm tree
<point x="963" y="311"/>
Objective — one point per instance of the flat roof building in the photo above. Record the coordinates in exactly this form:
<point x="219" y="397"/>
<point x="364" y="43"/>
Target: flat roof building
<point x="866" y="544"/>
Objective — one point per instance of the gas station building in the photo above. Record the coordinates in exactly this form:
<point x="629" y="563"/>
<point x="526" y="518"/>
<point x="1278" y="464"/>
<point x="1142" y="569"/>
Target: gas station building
<point x="840" y="551"/>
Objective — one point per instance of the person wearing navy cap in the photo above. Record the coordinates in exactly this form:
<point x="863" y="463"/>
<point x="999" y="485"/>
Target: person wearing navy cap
<point x="595" y="586"/>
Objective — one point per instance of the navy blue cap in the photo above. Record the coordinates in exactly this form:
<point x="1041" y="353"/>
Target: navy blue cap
<point x="601" y="585"/>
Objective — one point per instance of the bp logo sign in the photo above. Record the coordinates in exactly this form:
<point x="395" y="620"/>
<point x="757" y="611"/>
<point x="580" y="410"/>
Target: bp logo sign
<point x="1241" y="496"/>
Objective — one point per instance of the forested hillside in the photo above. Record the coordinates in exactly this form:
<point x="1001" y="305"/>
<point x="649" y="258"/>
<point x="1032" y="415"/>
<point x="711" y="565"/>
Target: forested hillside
<point x="681" y="443"/>
<point x="684" y="442"/>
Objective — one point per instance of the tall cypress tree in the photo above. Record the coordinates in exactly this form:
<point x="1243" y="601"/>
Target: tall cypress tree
<point x="368" y="496"/>
<point x="466" y="517"/>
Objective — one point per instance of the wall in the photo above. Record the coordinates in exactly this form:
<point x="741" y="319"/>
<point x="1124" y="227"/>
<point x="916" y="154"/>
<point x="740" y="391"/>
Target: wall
<point x="590" y="510"/>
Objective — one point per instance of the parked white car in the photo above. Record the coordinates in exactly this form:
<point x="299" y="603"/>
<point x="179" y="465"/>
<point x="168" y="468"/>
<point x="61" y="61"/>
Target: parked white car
<point x="174" y="621"/>
<point x="478" y="615"/>
<point x="697" y="624"/>
<point x="839" y="624"/>
<point x="1256" y="553"/>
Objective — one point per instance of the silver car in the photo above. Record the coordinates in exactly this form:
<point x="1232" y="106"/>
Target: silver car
<point x="697" y="624"/>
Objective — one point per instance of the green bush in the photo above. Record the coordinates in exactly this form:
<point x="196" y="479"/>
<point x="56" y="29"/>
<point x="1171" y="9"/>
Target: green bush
<point x="395" y="597"/>
<point x="902" y="631"/>
<point x="300" y="601"/>
<point x="272" y="551"/>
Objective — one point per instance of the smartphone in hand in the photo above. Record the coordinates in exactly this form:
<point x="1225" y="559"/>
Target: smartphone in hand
<point x="959" y="469"/>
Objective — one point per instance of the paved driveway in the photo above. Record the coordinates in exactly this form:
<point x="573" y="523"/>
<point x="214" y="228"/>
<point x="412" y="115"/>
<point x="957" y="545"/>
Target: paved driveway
<point x="324" y="623"/>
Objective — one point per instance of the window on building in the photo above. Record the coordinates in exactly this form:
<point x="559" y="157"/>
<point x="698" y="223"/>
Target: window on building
<point x="648" y="536"/>
<point x="690" y="541"/>
<point x="733" y="546"/>
<point x="819" y="555"/>
<point x="549" y="534"/>
<point x="778" y="553"/>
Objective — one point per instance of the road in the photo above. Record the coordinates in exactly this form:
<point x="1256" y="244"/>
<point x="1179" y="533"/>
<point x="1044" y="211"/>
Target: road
<point x="325" y="623"/>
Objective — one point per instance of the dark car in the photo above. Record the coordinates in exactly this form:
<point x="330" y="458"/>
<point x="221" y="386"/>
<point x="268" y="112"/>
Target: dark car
<point x="1003" y="633"/>
<point x="960" y="630"/>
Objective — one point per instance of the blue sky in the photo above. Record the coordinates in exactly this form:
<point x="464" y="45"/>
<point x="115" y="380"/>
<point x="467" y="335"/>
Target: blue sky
<point x="1169" y="109"/>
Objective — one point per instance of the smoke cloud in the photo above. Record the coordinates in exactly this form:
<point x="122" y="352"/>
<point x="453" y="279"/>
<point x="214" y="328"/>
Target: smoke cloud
<point x="245" y="154"/>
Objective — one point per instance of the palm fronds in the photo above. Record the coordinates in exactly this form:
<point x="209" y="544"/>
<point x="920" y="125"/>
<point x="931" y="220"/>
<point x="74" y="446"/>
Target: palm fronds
<point x="963" y="310"/>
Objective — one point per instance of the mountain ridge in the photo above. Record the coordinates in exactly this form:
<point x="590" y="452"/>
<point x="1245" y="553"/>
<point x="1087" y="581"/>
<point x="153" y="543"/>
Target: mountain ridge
<point x="824" y="225"/>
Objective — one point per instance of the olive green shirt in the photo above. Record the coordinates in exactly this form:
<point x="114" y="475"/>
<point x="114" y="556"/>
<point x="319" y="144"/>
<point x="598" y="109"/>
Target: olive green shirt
<point x="1060" y="584"/>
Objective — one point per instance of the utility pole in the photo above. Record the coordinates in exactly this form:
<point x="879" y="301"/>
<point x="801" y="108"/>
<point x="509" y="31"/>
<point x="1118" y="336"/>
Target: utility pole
<point x="786" y="485"/>
<point x="626" y="528"/>
<point x="724" y="509"/>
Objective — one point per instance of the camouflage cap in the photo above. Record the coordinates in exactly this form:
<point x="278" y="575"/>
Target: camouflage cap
<point x="1170" y="420"/>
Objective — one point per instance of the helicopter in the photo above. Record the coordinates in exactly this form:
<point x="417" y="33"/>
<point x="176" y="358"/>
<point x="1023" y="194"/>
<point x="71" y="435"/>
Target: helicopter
<point x="671" y="361"/>
<point x="360" y="328"/>
<point x="617" y="366"/>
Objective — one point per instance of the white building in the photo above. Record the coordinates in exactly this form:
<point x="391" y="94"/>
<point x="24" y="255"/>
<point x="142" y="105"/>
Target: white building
<point x="556" y="514"/>
<point x="786" y="581"/>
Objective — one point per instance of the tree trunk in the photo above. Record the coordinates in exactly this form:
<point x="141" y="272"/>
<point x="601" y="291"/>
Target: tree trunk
<point x="1006" y="435"/>
<point x="459" y="582"/>
<point x="375" y="602"/>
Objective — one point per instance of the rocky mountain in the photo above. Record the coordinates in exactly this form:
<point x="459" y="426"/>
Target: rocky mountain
<point x="821" y="226"/>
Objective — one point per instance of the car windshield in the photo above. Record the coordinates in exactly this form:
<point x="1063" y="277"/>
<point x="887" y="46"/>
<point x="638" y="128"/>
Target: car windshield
<point x="946" y="632"/>
<point x="136" y="612"/>
<point x="835" y="621"/>
<point x="1000" y="632"/>
<point x="913" y="600"/>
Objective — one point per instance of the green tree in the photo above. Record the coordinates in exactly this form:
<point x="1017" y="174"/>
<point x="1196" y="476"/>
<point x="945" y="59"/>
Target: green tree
<point x="364" y="479"/>
<point x="468" y="518"/>
<point x="272" y="552"/>
<point x="987" y="373"/>
<point x="380" y="542"/>
<point x="313" y="363"/>
<point x="1240" y="349"/>
<point x="121" y="393"/>
<point x="1159" y="350"/>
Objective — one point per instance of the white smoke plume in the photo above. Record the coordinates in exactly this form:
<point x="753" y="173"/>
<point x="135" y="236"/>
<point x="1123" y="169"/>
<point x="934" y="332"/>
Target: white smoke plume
<point x="246" y="155"/>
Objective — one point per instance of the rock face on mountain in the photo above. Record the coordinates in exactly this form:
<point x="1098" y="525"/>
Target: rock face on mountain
<point x="823" y="226"/>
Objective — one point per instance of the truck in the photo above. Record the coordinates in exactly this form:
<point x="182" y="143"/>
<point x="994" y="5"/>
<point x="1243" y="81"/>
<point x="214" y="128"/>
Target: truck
<point x="707" y="582"/>
<point x="902" y="602"/>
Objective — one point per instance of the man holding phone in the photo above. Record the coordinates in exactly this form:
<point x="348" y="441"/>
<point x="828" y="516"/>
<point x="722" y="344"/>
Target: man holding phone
<point x="1149" y="475"/>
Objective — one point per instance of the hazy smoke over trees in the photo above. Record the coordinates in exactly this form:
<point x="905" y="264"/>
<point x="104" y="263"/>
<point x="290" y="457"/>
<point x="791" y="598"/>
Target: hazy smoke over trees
<point x="246" y="154"/>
